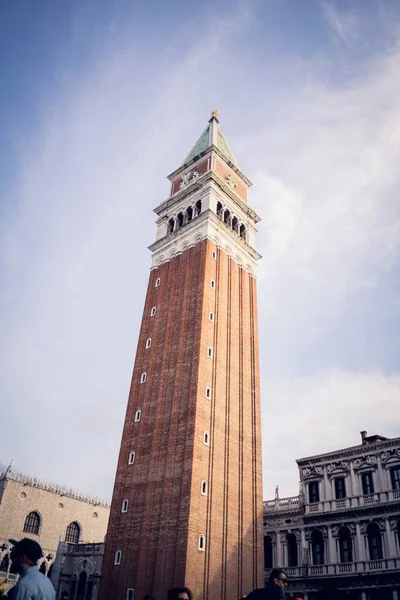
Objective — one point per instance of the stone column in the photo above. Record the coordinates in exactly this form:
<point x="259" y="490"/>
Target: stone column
<point x="363" y="596"/>
<point x="354" y="487"/>
<point x="278" y="550"/>
<point x="360" y="543"/>
<point x="395" y="595"/>
<point x="303" y="544"/>
<point x="327" y="487"/>
<point x="331" y="547"/>
<point x="390" y="545"/>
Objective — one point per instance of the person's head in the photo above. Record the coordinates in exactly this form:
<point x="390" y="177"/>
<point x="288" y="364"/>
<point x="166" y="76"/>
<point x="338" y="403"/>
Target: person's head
<point x="25" y="554"/>
<point x="180" y="593"/>
<point x="278" y="577"/>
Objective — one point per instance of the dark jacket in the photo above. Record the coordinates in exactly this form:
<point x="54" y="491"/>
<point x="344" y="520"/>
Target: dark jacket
<point x="269" y="592"/>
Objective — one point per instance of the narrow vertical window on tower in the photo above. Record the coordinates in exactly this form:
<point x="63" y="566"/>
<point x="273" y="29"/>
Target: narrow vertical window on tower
<point x="208" y="393"/>
<point x="153" y="311"/>
<point x="148" y="343"/>
<point x="204" y="488"/>
<point x="214" y="255"/>
<point x="131" y="459"/>
<point x="202" y="542"/>
<point x="143" y="378"/>
<point x="117" y="558"/>
<point x="138" y="414"/>
<point x="209" y="352"/>
<point x="206" y="438"/>
<point x="158" y="281"/>
<point x="213" y="284"/>
<point x="211" y="317"/>
<point x="125" y="506"/>
<point x="130" y="594"/>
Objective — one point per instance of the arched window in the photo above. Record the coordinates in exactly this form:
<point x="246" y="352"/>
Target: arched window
<point x="219" y="210"/>
<point x="227" y="217"/>
<point x="374" y="542"/>
<point x="293" y="560"/>
<point x="204" y="488"/>
<point x="81" y="586"/>
<point x="243" y="232"/>
<point x="235" y="224"/>
<point x="171" y="225"/>
<point x="180" y="220"/>
<point x="32" y="523"/>
<point x="267" y="552"/>
<point x="189" y="214"/>
<point x="317" y="546"/>
<point x="206" y="438"/>
<point x="73" y="533"/>
<point x="345" y="545"/>
<point x="202" y="542"/>
<point x="138" y="414"/>
<point x="197" y="208"/>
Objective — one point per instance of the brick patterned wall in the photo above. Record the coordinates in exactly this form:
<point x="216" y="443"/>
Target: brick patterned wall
<point x="56" y="512"/>
<point x="158" y="535"/>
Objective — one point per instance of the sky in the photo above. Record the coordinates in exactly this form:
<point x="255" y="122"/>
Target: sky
<point x="99" y="102"/>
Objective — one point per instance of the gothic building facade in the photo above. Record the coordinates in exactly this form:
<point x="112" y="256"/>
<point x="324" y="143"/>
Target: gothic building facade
<point x="343" y="529"/>
<point x="47" y="513"/>
<point x="187" y="502"/>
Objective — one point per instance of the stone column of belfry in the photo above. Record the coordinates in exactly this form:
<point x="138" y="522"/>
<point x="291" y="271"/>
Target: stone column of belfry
<point x="187" y="502"/>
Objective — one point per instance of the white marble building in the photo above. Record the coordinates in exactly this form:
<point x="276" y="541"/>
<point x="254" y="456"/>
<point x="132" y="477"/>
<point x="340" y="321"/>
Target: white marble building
<point x="343" y="529"/>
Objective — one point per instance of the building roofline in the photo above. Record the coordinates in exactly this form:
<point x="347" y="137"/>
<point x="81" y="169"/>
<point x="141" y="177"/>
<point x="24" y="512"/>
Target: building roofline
<point x="48" y="486"/>
<point x="388" y="442"/>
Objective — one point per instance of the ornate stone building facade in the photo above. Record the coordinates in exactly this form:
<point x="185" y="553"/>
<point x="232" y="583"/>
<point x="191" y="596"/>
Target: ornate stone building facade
<point x="187" y="502"/>
<point x="77" y="570"/>
<point x="47" y="513"/>
<point x="344" y="526"/>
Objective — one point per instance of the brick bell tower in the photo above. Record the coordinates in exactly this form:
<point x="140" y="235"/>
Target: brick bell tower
<point x="187" y="502"/>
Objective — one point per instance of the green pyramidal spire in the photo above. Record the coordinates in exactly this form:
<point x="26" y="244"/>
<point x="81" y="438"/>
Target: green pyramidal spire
<point x="212" y="135"/>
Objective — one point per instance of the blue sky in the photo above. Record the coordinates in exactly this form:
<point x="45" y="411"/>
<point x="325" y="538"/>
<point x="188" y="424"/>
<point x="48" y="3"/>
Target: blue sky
<point x="99" y="102"/>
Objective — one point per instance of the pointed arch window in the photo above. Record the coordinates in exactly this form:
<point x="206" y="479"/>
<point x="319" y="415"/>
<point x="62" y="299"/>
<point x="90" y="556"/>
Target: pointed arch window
<point x="189" y="214"/>
<point x="219" y="210"/>
<point x="171" y="225"/>
<point x="180" y="220"/>
<point x="197" y="208"/>
<point x="32" y="523"/>
<point x="243" y="232"/>
<point x="73" y="533"/>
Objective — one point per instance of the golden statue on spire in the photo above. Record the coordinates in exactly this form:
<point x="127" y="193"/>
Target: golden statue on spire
<point x="215" y="113"/>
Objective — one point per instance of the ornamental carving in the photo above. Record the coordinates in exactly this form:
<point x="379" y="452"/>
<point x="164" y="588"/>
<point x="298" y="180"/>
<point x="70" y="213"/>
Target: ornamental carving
<point x="312" y="472"/>
<point x="379" y="522"/>
<point x="273" y="522"/>
<point x="230" y="181"/>
<point x="365" y="461"/>
<point x="188" y="177"/>
<point x="342" y="465"/>
<point x="393" y="521"/>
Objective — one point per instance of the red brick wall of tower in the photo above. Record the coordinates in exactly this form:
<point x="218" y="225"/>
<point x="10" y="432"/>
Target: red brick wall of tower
<point x="158" y="536"/>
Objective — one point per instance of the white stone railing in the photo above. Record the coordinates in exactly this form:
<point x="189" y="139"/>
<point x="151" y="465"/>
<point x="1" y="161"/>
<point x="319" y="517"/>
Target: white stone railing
<point x="353" y="502"/>
<point x="291" y="503"/>
<point x="367" y="566"/>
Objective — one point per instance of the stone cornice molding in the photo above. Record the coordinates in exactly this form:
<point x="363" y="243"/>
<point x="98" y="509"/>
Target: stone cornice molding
<point x="360" y="450"/>
<point x="354" y="514"/>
